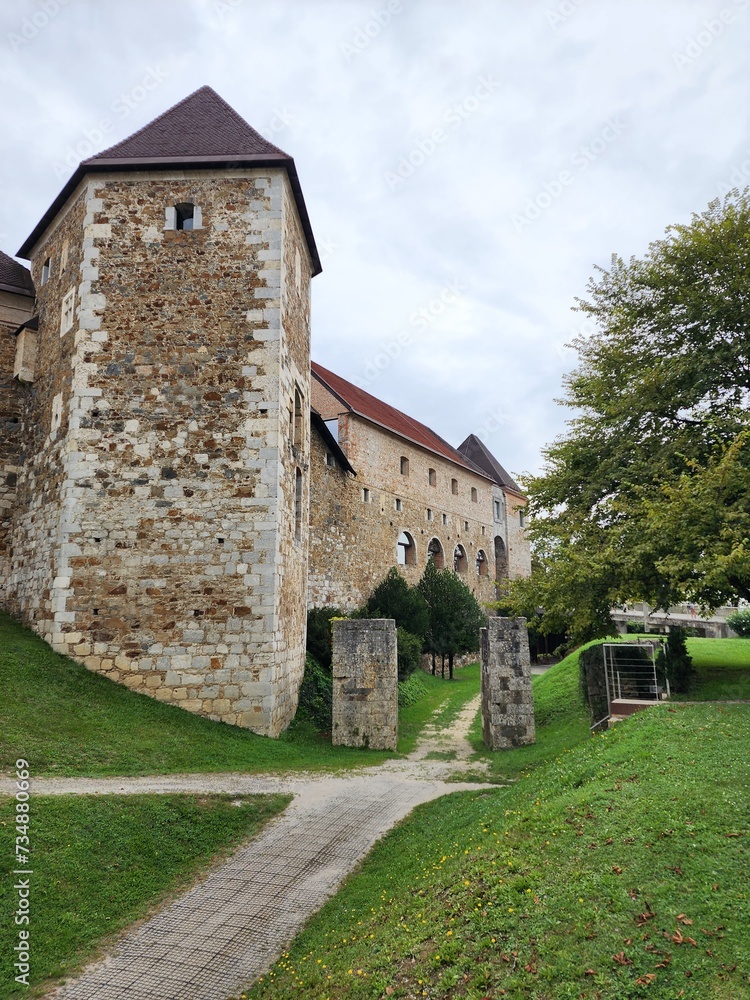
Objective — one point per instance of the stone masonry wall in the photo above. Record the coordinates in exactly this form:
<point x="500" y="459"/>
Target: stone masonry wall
<point x="353" y="540"/>
<point x="507" y="699"/>
<point x="14" y="310"/>
<point x="365" y="684"/>
<point x="159" y="459"/>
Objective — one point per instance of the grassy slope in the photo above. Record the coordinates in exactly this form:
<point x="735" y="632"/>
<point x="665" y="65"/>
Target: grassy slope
<point x="101" y="862"/>
<point x="722" y="669"/>
<point x="92" y="726"/>
<point x="617" y="870"/>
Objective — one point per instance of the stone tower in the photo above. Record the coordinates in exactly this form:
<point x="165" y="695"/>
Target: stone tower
<point x="161" y="525"/>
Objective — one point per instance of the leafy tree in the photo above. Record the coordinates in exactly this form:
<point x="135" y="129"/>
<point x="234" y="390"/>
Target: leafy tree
<point x="455" y="618"/>
<point x="409" y="653"/>
<point x="647" y="497"/>
<point x="739" y="622"/>
<point x="394" y="598"/>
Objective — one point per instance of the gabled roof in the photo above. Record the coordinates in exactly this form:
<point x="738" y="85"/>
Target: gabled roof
<point x="202" y="130"/>
<point x="14" y="277"/>
<point x="358" y="401"/>
<point x="479" y="454"/>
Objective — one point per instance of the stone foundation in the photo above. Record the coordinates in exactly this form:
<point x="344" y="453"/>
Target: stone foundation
<point x="507" y="700"/>
<point x="365" y="684"/>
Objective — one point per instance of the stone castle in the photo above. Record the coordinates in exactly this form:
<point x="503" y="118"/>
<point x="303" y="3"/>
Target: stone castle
<point x="177" y="483"/>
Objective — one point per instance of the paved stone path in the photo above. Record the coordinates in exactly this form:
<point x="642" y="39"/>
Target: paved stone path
<point x="229" y="929"/>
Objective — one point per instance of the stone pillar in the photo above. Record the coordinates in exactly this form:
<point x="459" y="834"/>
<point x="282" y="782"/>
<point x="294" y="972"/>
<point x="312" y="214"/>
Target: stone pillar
<point x="365" y="683"/>
<point x="507" y="701"/>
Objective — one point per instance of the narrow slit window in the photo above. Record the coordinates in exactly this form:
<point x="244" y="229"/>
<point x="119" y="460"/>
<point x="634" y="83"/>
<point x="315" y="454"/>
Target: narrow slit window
<point x="432" y="475"/>
<point x="404" y="466"/>
<point x="46" y="270"/>
<point x="454" y="487"/>
<point x="298" y="505"/>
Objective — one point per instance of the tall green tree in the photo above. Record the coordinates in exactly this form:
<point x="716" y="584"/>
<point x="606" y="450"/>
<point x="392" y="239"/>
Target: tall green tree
<point x="646" y="496"/>
<point x="455" y="618"/>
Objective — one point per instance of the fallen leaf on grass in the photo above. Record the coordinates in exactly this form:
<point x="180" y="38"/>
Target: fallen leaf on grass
<point x="617" y="870"/>
<point x="646" y="979"/>
<point x="589" y="972"/>
<point x="663" y="964"/>
<point x="642" y="918"/>
<point x="676" y="869"/>
<point x="678" y="938"/>
<point x="730" y="968"/>
<point x="682" y="919"/>
<point x="622" y="959"/>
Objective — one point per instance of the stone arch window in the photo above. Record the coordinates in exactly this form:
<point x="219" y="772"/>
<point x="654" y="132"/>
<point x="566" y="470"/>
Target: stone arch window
<point x="406" y="550"/>
<point x="481" y="563"/>
<point x="183" y="216"/>
<point x="432" y="477"/>
<point x="297" y="423"/>
<point x="460" y="562"/>
<point x="404" y="465"/>
<point x="474" y="495"/>
<point x="435" y="553"/>
<point x="522" y="518"/>
<point x="298" y="505"/>
<point x="454" y="487"/>
<point x="501" y="559"/>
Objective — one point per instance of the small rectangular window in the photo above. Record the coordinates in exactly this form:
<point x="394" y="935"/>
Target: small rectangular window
<point x="522" y="518"/>
<point x="432" y="477"/>
<point x="67" y="311"/>
<point x="466" y="525"/>
<point x="445" y="518"/>
<point x="404" y="466"/>
<point x="46" y="268"/>
<point x="454" y="487"/>
<point x="397" y="504"/>
<point x="474" y="495"/>
<point x="498" y="511"/>
<point x="330" y="460"/>
<point x="429" y="514"/>
<point x="64" y="257"/>
<point x="365" y="495"/>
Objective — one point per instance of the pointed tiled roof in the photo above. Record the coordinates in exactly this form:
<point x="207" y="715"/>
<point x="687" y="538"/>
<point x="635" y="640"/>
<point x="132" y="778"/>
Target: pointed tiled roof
<point x="201" y="126"/>
<point x="14" y="277"/>
<point x="479" y="454"/>
<point x="202" y="130"/>
<point x="377" y="412"/>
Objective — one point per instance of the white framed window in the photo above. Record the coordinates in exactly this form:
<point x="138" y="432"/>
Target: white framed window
<point x="67" y="311"/>
<point x="185" y="215"/>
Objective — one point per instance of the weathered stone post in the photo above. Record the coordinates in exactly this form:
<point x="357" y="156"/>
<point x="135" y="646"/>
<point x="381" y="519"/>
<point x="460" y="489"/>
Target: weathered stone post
<point x="507" y="701"/>
<point x="365" y="683"/>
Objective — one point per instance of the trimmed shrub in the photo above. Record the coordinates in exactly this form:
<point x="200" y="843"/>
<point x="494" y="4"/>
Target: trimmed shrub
<point x="739" y="622"/>
<point x="411" y="691"/>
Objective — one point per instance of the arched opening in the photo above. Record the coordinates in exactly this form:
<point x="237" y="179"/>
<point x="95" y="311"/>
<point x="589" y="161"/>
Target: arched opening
<point x="435" y="553"/>
<point x="404" y="465"/>
<point x="460" y="562"/>
<point x="481" y="563"/>
<point x="501" y="559"/>
<point x="406" y="550"/>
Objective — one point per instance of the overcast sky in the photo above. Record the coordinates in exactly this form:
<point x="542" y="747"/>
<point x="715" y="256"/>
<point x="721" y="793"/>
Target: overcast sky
<point x="465" y="166"/>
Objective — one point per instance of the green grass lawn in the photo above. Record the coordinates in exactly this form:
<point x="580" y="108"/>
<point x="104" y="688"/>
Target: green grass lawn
<point x="99" y="863"/>
<point x="722" y="669"/>
<point x="617" y="870"/>
<point x="441" y="703"/>
<point x="67" y="720"/>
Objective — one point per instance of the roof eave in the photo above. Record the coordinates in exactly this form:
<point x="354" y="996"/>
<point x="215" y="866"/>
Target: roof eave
<point x="167" y="163"/>
<point x="16" y="290"/>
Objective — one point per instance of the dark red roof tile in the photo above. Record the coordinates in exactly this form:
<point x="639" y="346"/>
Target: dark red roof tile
<point x="477" y="452"/>
<point x="365" y="405"/>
